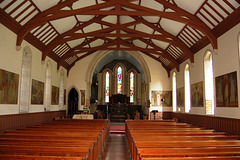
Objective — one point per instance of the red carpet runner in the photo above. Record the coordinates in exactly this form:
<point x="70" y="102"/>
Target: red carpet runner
<point x="117" y="128"/>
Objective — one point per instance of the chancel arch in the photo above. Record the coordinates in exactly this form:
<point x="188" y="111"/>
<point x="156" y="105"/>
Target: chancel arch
<point x="131" y="55"/>
<point x="110" y="62"/>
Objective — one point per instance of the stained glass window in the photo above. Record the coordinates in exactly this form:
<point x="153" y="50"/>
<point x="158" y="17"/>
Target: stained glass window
<point x="119" y="80"/>
<point x="131" y="87"/>
<point x="107" y="88"/>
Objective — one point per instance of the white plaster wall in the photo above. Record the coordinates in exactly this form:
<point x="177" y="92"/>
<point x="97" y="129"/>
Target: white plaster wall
<point x="159" y="76"/>
<point x="159" y="79"/>
<point x="11" y="60"/>
<point x="225" y="61"/>
<point x="77" y="77"/>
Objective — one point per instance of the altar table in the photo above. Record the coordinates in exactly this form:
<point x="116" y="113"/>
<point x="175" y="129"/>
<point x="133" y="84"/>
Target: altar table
<point x="83" y="116"/>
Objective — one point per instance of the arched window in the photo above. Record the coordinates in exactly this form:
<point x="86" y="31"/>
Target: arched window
<point x="48" y="87"/>
<point x="208" y="78"/>
<point x="119" y="80"/>
<point x="107" y="88"/>
<point x="131" y="87"/>
<point x="187" y="88"/>
<point x="61" y="92"/>
<point x="239" y="46"/>
<point x="174" y="92"/>
<point x="25" y="80"/>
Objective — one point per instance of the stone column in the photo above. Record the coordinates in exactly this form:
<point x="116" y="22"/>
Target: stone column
<point x="100" y="88"/>
<point x="25" y="81"/>
<point x="139" y="91"/>
<point x="88" y="93"/>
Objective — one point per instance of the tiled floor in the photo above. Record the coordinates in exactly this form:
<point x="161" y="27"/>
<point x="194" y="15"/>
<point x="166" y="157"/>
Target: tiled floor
<point x="116" y="148"/>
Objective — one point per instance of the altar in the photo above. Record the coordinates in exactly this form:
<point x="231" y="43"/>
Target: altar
<point x="83" y="116"/>
<point x="119" y="108"/>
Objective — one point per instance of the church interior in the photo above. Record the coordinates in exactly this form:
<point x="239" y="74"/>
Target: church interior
<point x="110" y="79"/>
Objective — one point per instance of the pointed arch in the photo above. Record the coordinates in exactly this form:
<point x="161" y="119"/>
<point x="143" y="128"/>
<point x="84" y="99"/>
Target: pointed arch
<point x="132" y="85"/>
<point x="187" y="88"/>
<point x="25" y="80"/>
<point x="61" y="90"/>
<point x="209" y="83"/>
<point x="119" y="78"/>
<point x="73" y="96"/>
<point x="174" y="91"/>
<point x="107" y="84"/>
<point x="99" y="55"/>
<point x="48" y="86"/>
<point x="238" y="40"/>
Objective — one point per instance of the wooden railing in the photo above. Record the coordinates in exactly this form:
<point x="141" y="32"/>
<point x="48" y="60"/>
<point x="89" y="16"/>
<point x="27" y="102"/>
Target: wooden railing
<point x="14" y="121"/>
<point x="229" y="125"/>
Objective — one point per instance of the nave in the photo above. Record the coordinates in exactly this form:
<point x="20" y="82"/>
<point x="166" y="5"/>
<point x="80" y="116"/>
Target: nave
<point x="116" y="148"/>
<point x="70" y="139"/>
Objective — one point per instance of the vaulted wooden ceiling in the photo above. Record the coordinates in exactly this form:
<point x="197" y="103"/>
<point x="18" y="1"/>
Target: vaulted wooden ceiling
<point x="169" y="31"/>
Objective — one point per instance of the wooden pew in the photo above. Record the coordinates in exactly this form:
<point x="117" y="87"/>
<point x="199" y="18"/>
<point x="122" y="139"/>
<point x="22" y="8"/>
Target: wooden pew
<point x="76" y="139"/>
<point x="188" y="152"/>
<point x="169" y="140"/>
<point x="184" y="144"/>
<point x="182" y="138"/>
<point x="46" y="151"/>
<point x="31" y="157"/>
<point x="196" y="158"/>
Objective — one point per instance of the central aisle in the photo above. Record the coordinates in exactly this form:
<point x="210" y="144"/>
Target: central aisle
<point x="116" y="148"/>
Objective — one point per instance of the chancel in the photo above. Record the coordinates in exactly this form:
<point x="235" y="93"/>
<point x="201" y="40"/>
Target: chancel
<point x="119" y="79"/>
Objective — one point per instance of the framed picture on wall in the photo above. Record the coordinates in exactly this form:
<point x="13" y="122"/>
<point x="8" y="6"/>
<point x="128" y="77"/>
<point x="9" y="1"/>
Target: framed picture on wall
<point x="180" y="97"/>
<point x="37" y="92"/>
<point x="197" y="94"/>
<point x="55" y="95"/>
<point x="227" y="90"/>
<point x="8" y="87"/>
<point x="82" y="97"/>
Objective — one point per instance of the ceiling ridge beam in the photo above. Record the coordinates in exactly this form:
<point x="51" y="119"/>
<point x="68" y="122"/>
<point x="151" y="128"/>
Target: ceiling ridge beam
<point x="69" y="37"/>
<point x="157" y="59"/>
<point x="66" y="55"/>
<point x="50" y="14"/>
<point x="72" y="53"/>
<point x="55" y="13"/>
<point x="78" y="59"/>
<point x="167" y="56"/>
<point x="179" y="15"/>
<point x="177" y="42"/>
